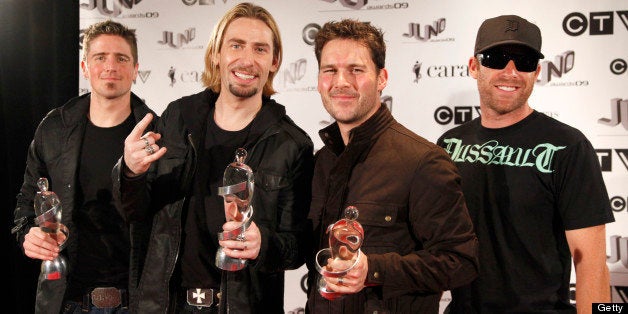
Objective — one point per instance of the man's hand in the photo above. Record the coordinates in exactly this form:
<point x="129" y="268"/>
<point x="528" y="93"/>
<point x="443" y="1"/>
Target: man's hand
<point x="42" y="245"/>
<point x="140" y="151"/>
<point x="248" y="247"/>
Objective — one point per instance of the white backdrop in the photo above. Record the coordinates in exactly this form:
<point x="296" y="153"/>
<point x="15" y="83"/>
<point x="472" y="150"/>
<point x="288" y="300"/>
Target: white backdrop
<point x="583" y="82"/>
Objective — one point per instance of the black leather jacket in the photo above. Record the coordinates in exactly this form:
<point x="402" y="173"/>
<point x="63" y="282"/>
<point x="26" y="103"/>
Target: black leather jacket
<point x="54" y="153"/>
<point x="281" y="156"/>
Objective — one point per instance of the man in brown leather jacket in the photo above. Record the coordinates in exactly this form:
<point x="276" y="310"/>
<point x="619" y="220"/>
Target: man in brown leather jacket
<point x="418" y="237"/>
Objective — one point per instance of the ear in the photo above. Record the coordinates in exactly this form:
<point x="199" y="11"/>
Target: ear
<point x="275" y="66"/>
<point x="84" y="69"/>
<point x="538" y="71"/>
<point x="216" y="59"/>
<point x="473" y="67"/>
<point x="137" y="66"/>
<point x="382" y="79"/>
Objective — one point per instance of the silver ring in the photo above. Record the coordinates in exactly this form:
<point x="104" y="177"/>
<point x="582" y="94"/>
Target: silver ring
<point x="149" y="149"/>
<point x="340" y="281"/>
<point x="146" y="142"/>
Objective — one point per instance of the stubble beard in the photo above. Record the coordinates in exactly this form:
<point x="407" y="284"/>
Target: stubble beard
<point x="242" y="92"/>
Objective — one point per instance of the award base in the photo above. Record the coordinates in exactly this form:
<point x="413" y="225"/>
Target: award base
<point x="225" y="262"/>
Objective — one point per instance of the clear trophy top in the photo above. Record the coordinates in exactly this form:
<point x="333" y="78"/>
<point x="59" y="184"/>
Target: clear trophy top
<point x="47" y="207"/>
<point x="238" y="184"/>
<point x="45" y="200"/>
<point x="346" y="235"/>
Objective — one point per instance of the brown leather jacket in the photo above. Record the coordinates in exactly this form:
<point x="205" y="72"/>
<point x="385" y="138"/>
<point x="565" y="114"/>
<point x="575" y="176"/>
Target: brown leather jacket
<point x="418" y="235"/>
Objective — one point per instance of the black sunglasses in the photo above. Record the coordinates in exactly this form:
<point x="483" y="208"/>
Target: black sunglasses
<point x="498" y="59"/>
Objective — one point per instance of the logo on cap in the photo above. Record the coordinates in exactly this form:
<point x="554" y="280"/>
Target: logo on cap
<point x="512" y="26"/>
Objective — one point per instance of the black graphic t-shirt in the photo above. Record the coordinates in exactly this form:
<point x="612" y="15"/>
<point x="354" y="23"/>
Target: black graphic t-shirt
<point x="525" y="185"/>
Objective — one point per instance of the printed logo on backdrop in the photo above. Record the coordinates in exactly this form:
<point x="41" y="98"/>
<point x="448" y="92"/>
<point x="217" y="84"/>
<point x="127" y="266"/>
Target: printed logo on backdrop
<point x="180" y="40"/>
<point x="384" y="99"/>
<point x="200" y="2"/>
<point x="618" y="260"/>
<point x="171" y="72"/>
<point x="457" y="115"/>
<point x="619" y="114"/>
<point x="561" y="65"/>
<point x="619" y="66"/>
<point x="363" y="4"/>
<point x="429" y="31"/>
<point x="598" y="23"/>
<point x="291" y="75"/>
<point x="605" y="157"/>
<point x="618" y="205"/>
<point x="115" y="8"/>
<point x="445" y="115"/>
<point x="183" y="77"/>
<point x="143" y="75"/>
<point x="439" y="71"/>
<point x="309" y="33"/>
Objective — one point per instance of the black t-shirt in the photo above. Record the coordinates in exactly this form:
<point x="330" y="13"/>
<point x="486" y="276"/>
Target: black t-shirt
<point x="205" y="217"/>
<point x="524" y="186"/>
<point x="103" y="238"/>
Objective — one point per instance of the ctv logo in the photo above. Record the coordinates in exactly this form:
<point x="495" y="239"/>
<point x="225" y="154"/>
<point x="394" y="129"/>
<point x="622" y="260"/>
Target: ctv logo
<point x="598" y="23"/>
<point x="444" y="115"/>
<point x="605" y="158"/>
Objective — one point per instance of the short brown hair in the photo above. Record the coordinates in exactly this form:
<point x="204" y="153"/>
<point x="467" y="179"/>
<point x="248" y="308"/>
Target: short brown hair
<point x="362" y="32"/>
<point x="211" y="75"/>
<point x="109" y="27"/>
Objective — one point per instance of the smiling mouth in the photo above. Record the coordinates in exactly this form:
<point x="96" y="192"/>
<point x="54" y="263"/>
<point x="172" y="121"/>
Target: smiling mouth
<point x="243" y="76"/>
<point x="507" y="88"/>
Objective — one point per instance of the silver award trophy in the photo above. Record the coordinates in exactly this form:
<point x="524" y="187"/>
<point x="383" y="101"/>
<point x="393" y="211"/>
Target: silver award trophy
<point x="48" y="210"/>
<point x="343" y="253"/>
<point x="237" y="191"/>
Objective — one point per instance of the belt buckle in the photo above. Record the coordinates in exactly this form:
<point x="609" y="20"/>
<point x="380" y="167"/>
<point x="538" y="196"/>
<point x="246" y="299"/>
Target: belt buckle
<point x="200" y="297"/>
<point x="106" y="297"/>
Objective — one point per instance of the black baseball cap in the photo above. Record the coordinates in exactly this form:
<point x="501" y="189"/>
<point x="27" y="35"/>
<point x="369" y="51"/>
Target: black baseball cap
<point x="508" y="29"/>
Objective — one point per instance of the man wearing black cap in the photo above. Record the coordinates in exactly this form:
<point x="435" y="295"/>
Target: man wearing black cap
<point x="533" y="186"/>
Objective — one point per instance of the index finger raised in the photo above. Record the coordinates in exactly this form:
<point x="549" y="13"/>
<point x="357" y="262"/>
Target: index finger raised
<point x="139" y="128"/>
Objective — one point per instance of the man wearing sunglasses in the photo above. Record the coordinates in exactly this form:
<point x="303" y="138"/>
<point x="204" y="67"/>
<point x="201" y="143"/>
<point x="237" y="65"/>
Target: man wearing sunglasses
<point x="533" y="186"/>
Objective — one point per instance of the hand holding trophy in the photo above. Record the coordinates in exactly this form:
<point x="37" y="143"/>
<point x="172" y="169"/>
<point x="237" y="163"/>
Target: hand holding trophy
<point x="345" y="240"/>
<point x="48" y="210"/>
<point x="238" y="193"/>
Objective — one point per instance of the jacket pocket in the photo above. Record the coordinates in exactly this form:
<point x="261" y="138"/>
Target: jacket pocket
<point x="381" y="229"/>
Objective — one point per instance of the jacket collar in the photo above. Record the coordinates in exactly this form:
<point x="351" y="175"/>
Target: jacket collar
<point x="270" y="114"/>
<point x="77" y="108"/>
<point x="368" y="131"/>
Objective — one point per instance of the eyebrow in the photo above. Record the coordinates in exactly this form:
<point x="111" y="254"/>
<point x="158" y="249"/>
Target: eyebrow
<point x="242" y="41"/>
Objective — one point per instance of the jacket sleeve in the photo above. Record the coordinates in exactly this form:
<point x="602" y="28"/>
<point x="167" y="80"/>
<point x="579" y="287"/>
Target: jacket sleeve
<point x="440" y="221"/>
<point x="283" y="247"/>
<point x="24" y="213"/>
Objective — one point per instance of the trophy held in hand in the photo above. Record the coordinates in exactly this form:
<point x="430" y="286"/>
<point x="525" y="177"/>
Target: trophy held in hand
<point x="48" y="210"/>
<point x="238" y="193"/>
<point x="345" y="240"/>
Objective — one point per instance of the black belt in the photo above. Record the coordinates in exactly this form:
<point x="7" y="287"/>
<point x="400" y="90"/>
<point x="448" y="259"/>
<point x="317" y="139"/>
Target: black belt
<point x="106" y="297"/>
<point x="202" y="297"/>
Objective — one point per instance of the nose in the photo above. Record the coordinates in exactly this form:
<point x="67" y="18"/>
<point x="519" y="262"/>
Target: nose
<point x="342" y="78"/>
<point x="511" y="68"/>
<point x="110" y="64"/>
<point x="248" y="55"/>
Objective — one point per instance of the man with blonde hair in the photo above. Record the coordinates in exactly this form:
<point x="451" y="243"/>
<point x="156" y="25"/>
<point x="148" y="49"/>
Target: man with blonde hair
<point x="170" y="178"/>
